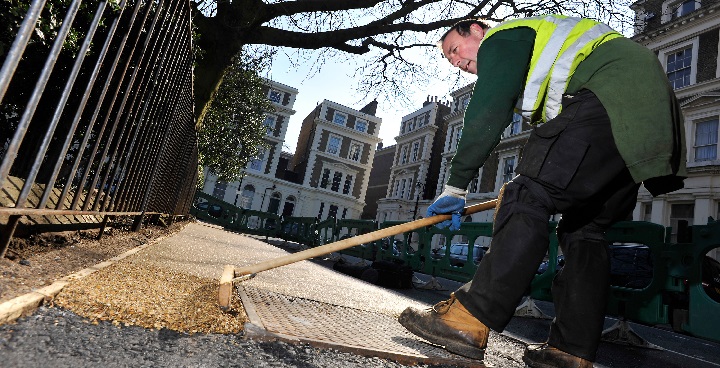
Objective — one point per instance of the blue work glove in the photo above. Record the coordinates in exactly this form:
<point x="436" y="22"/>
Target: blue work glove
<point x="450" y="201"/>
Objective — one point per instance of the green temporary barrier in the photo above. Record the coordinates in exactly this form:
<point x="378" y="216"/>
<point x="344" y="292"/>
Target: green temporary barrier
<point x="299" y="229"/>
<point x="703" y="318"/>
<point x="212" y="210"/>
<point x="325" y="232"/>
<point x="348" y="228"/>
<point x="454" y="254"/>
<point x="402" y="248"/>
<point x="640" y="303"/>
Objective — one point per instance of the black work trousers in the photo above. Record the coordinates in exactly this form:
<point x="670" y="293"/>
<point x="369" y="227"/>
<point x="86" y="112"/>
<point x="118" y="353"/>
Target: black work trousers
<point x="571" y="166"/>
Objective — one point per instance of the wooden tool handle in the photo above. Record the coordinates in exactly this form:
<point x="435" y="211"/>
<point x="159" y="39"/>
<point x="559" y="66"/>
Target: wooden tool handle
<point x="357" y="240"/>
<point x="230" y="272"/>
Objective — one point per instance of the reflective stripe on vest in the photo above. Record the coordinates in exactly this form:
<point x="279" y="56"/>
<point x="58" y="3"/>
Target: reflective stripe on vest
<point x="561" y="43"/>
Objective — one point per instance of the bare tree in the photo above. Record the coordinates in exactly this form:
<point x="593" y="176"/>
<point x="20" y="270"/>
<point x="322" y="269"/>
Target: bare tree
<point x="386" y="35"/>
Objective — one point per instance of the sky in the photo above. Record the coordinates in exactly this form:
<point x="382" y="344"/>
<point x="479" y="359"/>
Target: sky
<point x="335" y="83"/>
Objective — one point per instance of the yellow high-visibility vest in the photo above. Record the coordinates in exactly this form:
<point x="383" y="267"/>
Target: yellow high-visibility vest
<point x="561" y="43"/>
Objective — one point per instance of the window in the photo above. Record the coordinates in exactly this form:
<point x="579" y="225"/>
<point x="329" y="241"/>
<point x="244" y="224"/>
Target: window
<point x="355" y="151"/>
<point x="256" y="163"/>
<point x="685" y="7"/>
<point x="508" y="169"/>
<point x="422" y="120"/>
<point x="412" y="124"/>
<point x="325" y="178"/>
<point x="332" y="212"/>
<point x="679" y="67"/>
<point x="219" y="189"/>
<point x="337" y="178"/>
<point x="516" y="124"/>
<point x="361" y="125"/>
<point x="402" y="188"/>
<point x="269" y="124"/>
<point x="333" y="146"/>
<point x="474" y="184"/>
<point x="415" y="149"/>
<point x="248" y="194"/>
<point x="322" y="207"/>
<point x="274" y="203"/>
<point x="706" y="139"/>
<point x="348" y="184"/>
<point x="457" y="136"/>
<point x="397" y="188"/>
<point x="339" y="118"/>
<point x="275" y="96"/>
<point x="289" y="206"/>
<point x="404" y="155"/>
<point x="647" y="212"/>
<point x="465" y="101"/>
<point x="680" y="213"/>
<point x="344" y="212"/>
<point x="409" y="186"/>
<point x="402" y="128"/>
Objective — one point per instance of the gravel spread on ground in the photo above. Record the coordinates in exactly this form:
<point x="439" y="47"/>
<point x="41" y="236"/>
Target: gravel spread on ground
<point x="131" y="292"/>
<point x="38" y="260"/>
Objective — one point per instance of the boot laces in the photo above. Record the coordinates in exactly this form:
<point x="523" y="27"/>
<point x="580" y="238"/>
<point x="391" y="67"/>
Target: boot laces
<point x="443" y="306"/>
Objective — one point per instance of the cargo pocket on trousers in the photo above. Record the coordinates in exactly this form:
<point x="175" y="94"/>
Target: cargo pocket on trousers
<point x="505" y="208"/>
<point x="551" y="155"/>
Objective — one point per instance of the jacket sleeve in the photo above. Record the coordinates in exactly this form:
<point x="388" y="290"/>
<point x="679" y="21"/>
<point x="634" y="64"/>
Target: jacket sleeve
<point x="502" y="63"/>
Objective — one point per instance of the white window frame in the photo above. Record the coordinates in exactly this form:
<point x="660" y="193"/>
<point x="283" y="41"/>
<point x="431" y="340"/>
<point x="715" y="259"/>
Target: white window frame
<point x="499" y="176"/>
<point x="694" y="43"/>
<point x="404" y="154"/>
<point x="344" y="172"/>
<point x="340" y="114"/>
<point x="465" y="101"/>
<point x="515" y="125"/>
<point x="694" y="138"/>
<point x="269" y="123"/>
<point x="672" y="221"/>
<point x="273" y="91"/>
<point x="457" y="134"/>
<point x="327" y="147"/>
<point x="359" y="146"/>
<point x="258" y="162"/>
<point x="670" y="9"/>
<point x="333" y="175"/>
<point x="361" y="122"/>
<point x="478" y="179"/>
<point x="350" y="187"/>
<point x="415" y="151"/>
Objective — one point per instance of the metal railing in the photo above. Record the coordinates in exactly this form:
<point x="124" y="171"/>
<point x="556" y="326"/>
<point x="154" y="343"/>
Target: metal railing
<point x="106" y="129"/>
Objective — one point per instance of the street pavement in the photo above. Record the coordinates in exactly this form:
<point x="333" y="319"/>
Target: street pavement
<point x="59" y="338"/>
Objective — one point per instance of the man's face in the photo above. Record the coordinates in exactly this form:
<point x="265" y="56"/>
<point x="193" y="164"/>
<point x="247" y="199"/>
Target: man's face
<point x="462" y="51"/>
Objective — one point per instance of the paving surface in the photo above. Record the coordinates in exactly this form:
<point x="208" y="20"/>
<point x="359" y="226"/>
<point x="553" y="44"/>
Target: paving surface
<point x="301" y="315"/>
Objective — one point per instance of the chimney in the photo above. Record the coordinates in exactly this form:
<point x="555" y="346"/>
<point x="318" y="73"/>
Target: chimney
<point x="380" y="146"/>
<point x="428" y="100"/>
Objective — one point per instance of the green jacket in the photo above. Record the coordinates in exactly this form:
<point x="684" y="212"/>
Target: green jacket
<point x="646" y="120"/>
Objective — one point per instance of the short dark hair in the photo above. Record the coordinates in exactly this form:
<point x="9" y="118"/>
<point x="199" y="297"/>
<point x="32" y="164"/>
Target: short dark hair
<point x="463" y="28"/>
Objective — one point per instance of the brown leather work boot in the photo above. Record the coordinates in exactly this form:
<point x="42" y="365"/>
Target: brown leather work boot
<point x="448" y="324"/>
<point x="546" y="356"/>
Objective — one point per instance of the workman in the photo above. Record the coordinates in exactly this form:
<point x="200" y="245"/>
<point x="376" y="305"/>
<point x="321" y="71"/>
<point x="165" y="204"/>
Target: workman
<point x="605" y="120"/>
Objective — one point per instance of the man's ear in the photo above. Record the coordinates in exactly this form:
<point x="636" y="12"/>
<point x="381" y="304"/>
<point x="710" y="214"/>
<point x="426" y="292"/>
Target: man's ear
<point x="477" y="29"/>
